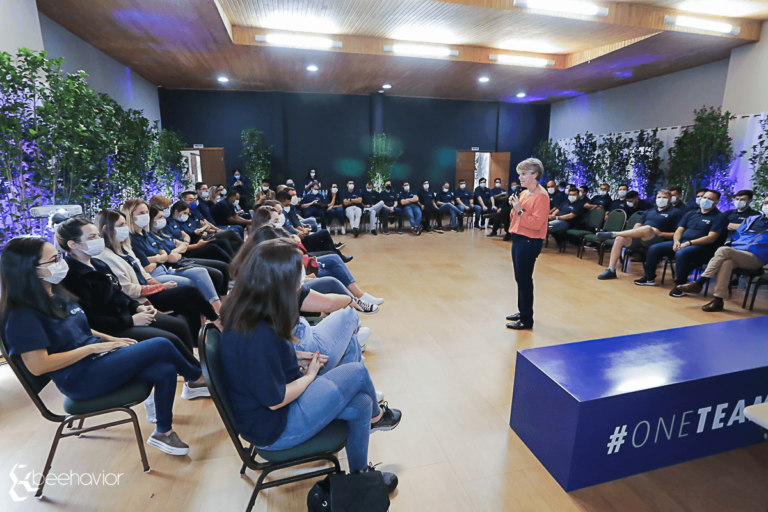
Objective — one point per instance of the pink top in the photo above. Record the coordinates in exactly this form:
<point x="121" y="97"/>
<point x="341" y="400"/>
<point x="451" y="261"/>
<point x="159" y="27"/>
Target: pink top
<point x="533" y="221"/>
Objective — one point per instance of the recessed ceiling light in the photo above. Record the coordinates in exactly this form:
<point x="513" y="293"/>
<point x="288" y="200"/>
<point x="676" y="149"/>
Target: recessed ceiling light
<point x="569" y="6"/>
<point x="521" y="95"/>
<point x="293" y="41"/>
<point x="483" y="79"/>
<point x="312" y="68"/>
<point x="519" y="60"/>
<point x="421" y="50"/>
<point x="701" y="24"/>
<point x="223" y="79"/>
<point x="382" y="91"/>
<point x="731" y="9"/>
<point x="386" y="86"/>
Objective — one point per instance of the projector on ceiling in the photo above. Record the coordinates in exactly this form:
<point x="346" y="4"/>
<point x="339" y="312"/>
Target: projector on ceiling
<point x="43" y="212"/>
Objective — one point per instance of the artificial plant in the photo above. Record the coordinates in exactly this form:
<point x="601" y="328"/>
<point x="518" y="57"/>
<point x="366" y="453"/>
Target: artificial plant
<point x="256" y="156"/>
<point x="759" y="165"/>
<point x="613" y="161"/>
<point x="645" y="161"/>
<point x="585" y="165"/>
<point x="382" y="161"/>
<point x="554" y="159"/>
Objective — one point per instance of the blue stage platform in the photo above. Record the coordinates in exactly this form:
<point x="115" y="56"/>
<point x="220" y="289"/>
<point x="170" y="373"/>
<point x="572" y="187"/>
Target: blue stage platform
<point x="599" y="410"/>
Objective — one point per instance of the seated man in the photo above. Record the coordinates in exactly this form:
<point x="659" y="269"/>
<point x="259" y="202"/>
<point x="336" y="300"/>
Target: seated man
<point x="202" y="212"/>
<point x="224" y="212"/>
<point x="482" y="198"/>
<point x="319" y="243"/>
<point x="264" y="194"/>
<point x="742" y="211"/>
<point x="296" y="210"/>
<point x="464" y="201"/>
<point x="748" y="250"/>
<point x="600" y="200"/>
<point x="372" y="204"/>
<point x="566" y="214"/>
<point x="620" y="202"/>
<point x="695" y="204"/>
<point x="583" y="192"/>
<point x="694" y="242"/>
<point x="635" y="204"/>
<point x="445" y="204"/>
<point x="429" y="209"/>
<point x="409" y="204"/>
<point x="313" y="205"/>
<point x="677" y="198"/>
<point x="500" y="207"/>
<point x="655" y="226"/>
<point x="556" y="197"/>
<point x="352" y="201"/>
<point x="389" y="198"/>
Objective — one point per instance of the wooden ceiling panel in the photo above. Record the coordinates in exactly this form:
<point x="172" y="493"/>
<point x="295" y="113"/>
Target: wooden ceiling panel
<point x="752" y="9"/>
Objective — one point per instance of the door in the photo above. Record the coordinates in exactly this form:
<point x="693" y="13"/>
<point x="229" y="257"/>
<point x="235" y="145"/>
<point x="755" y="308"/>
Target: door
<point x="500" y="168"/>
<point x="213" y="167"/>
<point x="465" y="167"/>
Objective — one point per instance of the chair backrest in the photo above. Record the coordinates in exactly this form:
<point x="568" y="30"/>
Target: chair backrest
<point x="210" y="358"/>
<point x="595" y="218"/>
<point x="634" y="219"/>
<point x="615" y="221"/>
<point x="32" y="384"/>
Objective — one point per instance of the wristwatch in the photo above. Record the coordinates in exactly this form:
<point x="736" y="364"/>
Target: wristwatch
<point x="521" y="211"/>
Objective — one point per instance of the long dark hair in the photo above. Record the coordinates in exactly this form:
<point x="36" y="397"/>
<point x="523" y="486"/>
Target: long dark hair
<point x="105" y="222"/>
<point x="262" y="216"/>
<point x="264" y="233"/>
<point x="309" y="177"/>
<point x="71" y="230"/>
<point x="267" y="289"/>
<point x="20" y="283"/>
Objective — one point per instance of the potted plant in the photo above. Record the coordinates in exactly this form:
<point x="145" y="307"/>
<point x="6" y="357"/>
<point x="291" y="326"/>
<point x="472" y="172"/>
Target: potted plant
<point x="382" y="161"/>
<point x="256" y="156"/>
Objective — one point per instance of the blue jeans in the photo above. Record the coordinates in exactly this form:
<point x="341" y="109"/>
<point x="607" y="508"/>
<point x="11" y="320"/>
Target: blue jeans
<point x="328" y="284"/>
<point x="524" y="253"/>
<point x="237" y="229"/>
<point x="344" y="393"/>
<point x="556" y="226"/>
<point x="155" y="360"/>
<point x="686" y="260"/>
<point x="335" y="336"/>
<point x="336" y="213"/>
<point x="195" y="276"/>
<point x="331" y="265"/>
<point x="452" y="210"/>
<point x="312" y="213"/>
<point x="413" y="213"/>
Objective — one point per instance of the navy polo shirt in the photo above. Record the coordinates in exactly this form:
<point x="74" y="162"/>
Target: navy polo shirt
<point x="444" y="197"/>
<point x="27" y="330"/>
<point x="405" y="195"/>
<point x="496" y="191"/>
<point x="144" y="246"/>
<point x="737" y="217"/>
<point x="203" y="211"/>
<point x="665" y="221"/>
<point x="465" y="196"/>
<point x="259" y="367"/>
<point x="601" y="201"/>
<point x="389" y="198"/>
<point x="310" y="197"/>
<point x="699" y="224"/>
<point x="222" y="211"/>
<point x="567" y="208"/>
<point x="370" y="198"/>
<point x="556" y="199"/>
<point x="349" y="195"/>
<point x="485" y="194"/>
<point x="173" y="229"/>
<point x="426" y="197"/>
<point x="164" y="242"/>
<point x="618" y="204"/>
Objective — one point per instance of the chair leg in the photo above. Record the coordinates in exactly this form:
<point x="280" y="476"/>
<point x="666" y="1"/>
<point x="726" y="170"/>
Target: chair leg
<point x="251" y="451"/>
<point x="139" y="438"/>
<point x="256" y="490"/>
<point x="48" y="462"/>
<point x="706" y="289"/>
<point x="746" y="292"/>
<point x="754" y="296"/>
<point x="664" y="271"/>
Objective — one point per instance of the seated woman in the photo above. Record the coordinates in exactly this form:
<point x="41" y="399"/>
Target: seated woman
<point x="46" y="327"/>
<point x="153" y="258"/>
<point x="278" y="405"/>
<point x="179" y="246"/>
<point x="181" y="226"/>
<point x="335" y="208"/>
<point x="137" y="284"/>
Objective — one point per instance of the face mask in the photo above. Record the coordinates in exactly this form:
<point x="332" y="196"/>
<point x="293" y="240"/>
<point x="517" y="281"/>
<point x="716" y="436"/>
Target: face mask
<point x="674" y="199"/>
<point x="369" y="189"/>
<point x="281" y="220"/>
<point x="740" y="205"/>
<point x="706" y="204"/>
<point x="122" y="233"/>
<point x="167" y="212"/>
<point x="482" y="185"/>
<point x="265" y="189"/>
<point x="630" y="205"/>
<point x="237" y="204"/>
<point x="551" y="190"/>
<point x="622" y="193"/>
<point x="388" y="187"/>
<point x="58" y="272"/>
<point x="303" y="274"/>
<point x="312" y="174"/>
<point x="445" y="189"/>
<point x="462" y="186"/>
<point x="573" y="199"/>
<point x="223" y="192"/>
<point x="287" y="209"/>
<point x="765" y="209"/>
<point x="603" y="192"/>
<point x="160" y="224"/>
<point x="315" y="192"/>
<point x="351" y="187"/>
<point x="237" y="177"/>
<point x="295" y="199"/>
<point x="698" y="200"/>
<point x="334" y="190"/>
<point x="142" y="220"/>
<point x="406" y="188"/>
<point x="426" y="187"/>
<point x="290" y="184"/>
<point x="662" y="202"/>
<point x="93" y="247"/>
<point x="204" y="195"/>
<point x="183" y="218"/>
<point x="497" y="185"/>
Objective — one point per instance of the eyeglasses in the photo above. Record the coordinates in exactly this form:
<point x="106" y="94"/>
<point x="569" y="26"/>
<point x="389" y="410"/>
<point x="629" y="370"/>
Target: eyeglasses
<point x="55" y="259"/>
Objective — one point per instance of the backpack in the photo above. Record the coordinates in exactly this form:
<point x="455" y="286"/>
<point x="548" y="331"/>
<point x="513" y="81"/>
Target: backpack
<point x="352" y="492"/>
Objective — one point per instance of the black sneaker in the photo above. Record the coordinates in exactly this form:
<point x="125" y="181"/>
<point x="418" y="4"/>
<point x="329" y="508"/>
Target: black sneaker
<point x="604" y="235"/>
<point x="455" y="229"/>
<point x="676" y="292"/>
<point x="386" y="231"/>
<point x="400" y="231"/>
<point x="374" y="233"/>
<point x="608" y="274"/>
<point x="355" y="232"/>
<point x="367" y="307"/>
<point x="646" y="281"/>
<point x="340" y="245"/>
<point x="439" y="229"/>
<point x="390" y="479"/>
<point x="389" y="420"/>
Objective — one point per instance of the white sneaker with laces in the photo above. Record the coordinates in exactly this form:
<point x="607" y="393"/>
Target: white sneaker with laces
<point x="379" y="396"/>
<point x="370" y="299"/>
<point x="363" y="334"/>
<point x="343" y="230"/>
<point x="194" y="391"/>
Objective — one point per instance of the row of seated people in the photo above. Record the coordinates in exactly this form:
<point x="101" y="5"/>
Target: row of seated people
<point x="118" y="299"/>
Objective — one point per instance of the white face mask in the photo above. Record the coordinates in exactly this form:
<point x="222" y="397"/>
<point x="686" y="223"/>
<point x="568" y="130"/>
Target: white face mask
<point x="295" y="199"/>
<point x="674" y="199"/>
<point x="603" y="192"/>
<point x="303" y="275"/>
<point x="482" y="185"/>
<point x="167" y="212"/>
<point x="334" y="190"/>
<point x="740" y="205"/>
<point x="312" y="175"/>
<point x="183" y="218"/>
<point x="622" y="193"/>
<point x="369" y="189"/>
<point x="160" y="224"/>
<point x="93" y="247"/>
<point x="265" y="188"/>
<point x="223" y="192"/>
<point x="551" y="190"/>
<point x="351" y="187"/>
<point x="281" y="220"/>
<point x="315" y="192"/>
<point x="426" y="187"/>
<point x="142" y="220"/>
<point x="706" y="204"/>
<point x="698" y="200"/>
<point x="290" y="184"/>
<point x="58" y="272"/>
<point x="204" y="195"/>
<point x="662" y="202"/>
<point x="462" y="186"/>
<point x="406" y="188"/>
<point x="631" y="205"/>
<point x="237" y="204"/>
<point x="287" y="209"/>
<point x="122" y="233"/>
<point x="497" y="185"/>
<point x="237" y="177"/>
<point x="765" y="209"/>
<point x="445" y="189"/>
<point x="573" y="199"/>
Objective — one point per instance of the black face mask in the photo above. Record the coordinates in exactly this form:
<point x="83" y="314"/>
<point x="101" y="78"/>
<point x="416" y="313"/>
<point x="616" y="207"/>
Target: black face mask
<point x="388" y="187"/>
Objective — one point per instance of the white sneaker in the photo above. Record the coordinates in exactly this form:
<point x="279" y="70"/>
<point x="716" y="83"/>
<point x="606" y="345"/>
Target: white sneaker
<point x="190" y="392"/>
<point x="370" y="299"/>
<point x="343" y="230"/>
<point x="379" y="396"/>
<point x="363" y="334"/>
<point x="362" y="347"/>
<point x="149" y="408"/>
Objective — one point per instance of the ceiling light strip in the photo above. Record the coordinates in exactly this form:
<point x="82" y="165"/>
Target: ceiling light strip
<point x="420" y="50"/>
<point x="702" y="24"/>
<point x="564" y="6"/>
<point x="519" y="60"/>
<point x="294" y="41"/>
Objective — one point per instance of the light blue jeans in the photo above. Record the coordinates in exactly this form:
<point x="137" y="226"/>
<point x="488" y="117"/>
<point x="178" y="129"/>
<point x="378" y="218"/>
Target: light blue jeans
<point x="452" y="210"/>
<point x="328" y="284"/>
<point x="195" y="276"/>
<point x="331" y="265"/>
<point x="556" y="226"/>
<point x="344" y="393"/>
<point x="335" y="336"/>
<point x="413" y="213"/>
<point x="311" y="222"/>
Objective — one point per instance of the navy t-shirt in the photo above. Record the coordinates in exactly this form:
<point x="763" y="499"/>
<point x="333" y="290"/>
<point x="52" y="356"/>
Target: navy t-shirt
<point x="222" y="211"/>
<point x="665" y="221"/>
<point x="203" y="210"/>
<point x="699" y="224"/>
<point x="389" y="198"/>
<point x="567" y="208"/>
<point x="144" y="247"/>
<point x="601" y="201"/>
<point x="496" y="191"/>
<point x="349" y="195"/>
<point x="370" y="198"/>
<point x="310" y="197"/>
<point x="258" y="366"/>
<point x="27" y="330"/>
<point x="465" y="196"/>
<point x="406" y="195"/>
<point x="485" y="194"/>
<point x="426" y="197"/>
<point x="173" y="229"/>
<point x="737" y="217"/>
<point x="556" y="199"/>
<point x="444" y="197"/>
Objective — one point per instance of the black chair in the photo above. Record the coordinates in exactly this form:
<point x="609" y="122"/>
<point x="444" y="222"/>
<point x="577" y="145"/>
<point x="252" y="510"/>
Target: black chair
<point x="753" y="278"/>
<point x="760" y="281"/>
<point x="119" y="400"/>
<point x="323" y="446"/>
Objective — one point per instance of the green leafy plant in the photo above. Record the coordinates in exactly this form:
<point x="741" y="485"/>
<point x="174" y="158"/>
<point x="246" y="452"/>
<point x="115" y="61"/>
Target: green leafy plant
<point x="585" y="165"/>
<point x="702" y="156"/>
<point x="256" y="156"/>
<point x="645" y="161"/>
<point x="614" y="159"/>
<point x="759" y="165"/>
<point x="555" y="160"/>
<point x="170" y="167"/>
<point x="382" y="161"/>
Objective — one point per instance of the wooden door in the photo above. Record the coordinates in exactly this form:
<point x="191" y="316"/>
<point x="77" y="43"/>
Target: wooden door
<point x="213" y="165"/>
<point x="499" y="169"/>
<point x="465" y="167"/>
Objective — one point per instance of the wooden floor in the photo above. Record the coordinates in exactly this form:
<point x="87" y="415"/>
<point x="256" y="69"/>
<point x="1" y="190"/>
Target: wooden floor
<point x="441" y="353"/>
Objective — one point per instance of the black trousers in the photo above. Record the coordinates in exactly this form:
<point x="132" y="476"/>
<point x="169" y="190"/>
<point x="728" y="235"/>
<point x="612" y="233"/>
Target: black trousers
<point x="186" y="301"/>
<point x="384" y="215"/>
<point x="211" y="251"/>
<point x="232" y="238"/>
<point x="430" y="212"/>
<point x="319" y="242"/>
<point x="501" y="218"/>
<point x="165" y="326"/>
<point x="524" y="253"/>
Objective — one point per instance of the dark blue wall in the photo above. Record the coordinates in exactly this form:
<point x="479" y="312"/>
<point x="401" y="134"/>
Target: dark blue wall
<point x="333" y="132"/>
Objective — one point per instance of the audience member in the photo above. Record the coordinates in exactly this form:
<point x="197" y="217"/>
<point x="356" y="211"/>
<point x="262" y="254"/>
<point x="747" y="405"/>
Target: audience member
<point x="335" y="210"/>
<point x="314" y="205"/>
<point x="389" y="198"/>
<point x="464" y="201"/>
<point x="372" y="204"/>
<point x="429" y="209"/>
<point x="351" y="199"/>
<point x="240" y="184"/>
<point x="600" y="200"/>
<point x="741" y="212"/>
<point x="445" y="199"/>
<point x="482" y="197"/>
<point x="224" y="212"/>
<point x="409" y="204"/>
<point x="566" y="214"/>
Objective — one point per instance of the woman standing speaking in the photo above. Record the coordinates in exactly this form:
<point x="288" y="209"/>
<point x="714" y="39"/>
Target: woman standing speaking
<point x="528" y="227"/>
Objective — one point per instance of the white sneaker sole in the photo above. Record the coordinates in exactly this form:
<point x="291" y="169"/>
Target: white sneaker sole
<point x="385" y="429"/>
<point x="170" y="450"/>
<point x="188" y="393"/>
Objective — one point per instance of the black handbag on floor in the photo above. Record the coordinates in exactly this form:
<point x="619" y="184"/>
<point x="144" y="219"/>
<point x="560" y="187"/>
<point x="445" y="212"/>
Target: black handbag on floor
<point x="354" y="492"/>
